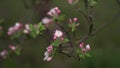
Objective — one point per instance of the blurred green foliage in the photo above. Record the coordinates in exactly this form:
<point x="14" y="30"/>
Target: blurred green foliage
<point x="105" y="44"/>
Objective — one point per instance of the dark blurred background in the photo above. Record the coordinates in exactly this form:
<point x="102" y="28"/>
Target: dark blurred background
<point x="105" y="44"/>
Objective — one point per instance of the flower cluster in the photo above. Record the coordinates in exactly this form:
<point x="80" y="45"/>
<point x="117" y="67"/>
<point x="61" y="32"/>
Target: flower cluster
<point x="58" y="38"/>
<point x="54" y="12"/>
<point x="84" y="48"/>
<point x="5" y="52"/>
<point x="27" y="29"/>
<point x="48" y="53"/>
<point x="58" y="34"/>
<point x="14" y="28"/>
<point x="73" y="23"/>
<point x="83" y="51"/>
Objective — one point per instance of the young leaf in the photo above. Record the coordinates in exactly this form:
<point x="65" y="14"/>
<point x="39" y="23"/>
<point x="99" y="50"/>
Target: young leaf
<point x="87" y="55"/>
<point x="92" y="2"/>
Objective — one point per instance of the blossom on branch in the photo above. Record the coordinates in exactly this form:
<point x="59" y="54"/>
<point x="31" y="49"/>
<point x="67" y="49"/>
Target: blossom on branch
<point x="54" y="12"/>
<point x="14" y="28"/>
<point x="58" y="34"/>
<point x="4" y="54"/>
<point x="84" y="49"/>
<point x="47" y="53"/>
<point x="70" y="1"/>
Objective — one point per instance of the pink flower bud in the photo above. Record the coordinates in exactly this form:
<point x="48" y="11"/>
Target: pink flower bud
<point x="49" y="49"/>
<point x="54" y="12"/>
<point x="70" y="21"/>
<point x="81" y="45"/>
<point x="75" y="19"/>
<point x="49" y="58"/>
<point x="83" y="50"/>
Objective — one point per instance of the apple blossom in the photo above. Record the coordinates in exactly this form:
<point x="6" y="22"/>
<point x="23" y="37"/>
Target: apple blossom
<point x="70" y="1"/>
<point x="81" y="45"/>
<point x="46" y="20"/>
<point x="4" y="54"/>
<point x="13" y="48"/>
<point x="49" y="49"/>
<point x="54" y="11"/>
<point x="49" y="58"/>
<point x="84" y="49"/>
<point x="87" y="47"/>
<point x="14" y="28"/>
<point x="58" y="34"/>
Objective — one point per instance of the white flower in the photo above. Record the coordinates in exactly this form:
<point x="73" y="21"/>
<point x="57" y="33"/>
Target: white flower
<point x="13" y="48"/>
<point x="27" y="26"/>
<point x="87" y="47"/>
<point x="46" y="20"/>
<point x="54" y="11"/>
<point x="58" y="33"/>
<point x="46" y="54"/>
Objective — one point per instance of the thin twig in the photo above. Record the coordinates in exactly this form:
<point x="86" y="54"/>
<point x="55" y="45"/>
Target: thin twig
<point x="114" y="18"/>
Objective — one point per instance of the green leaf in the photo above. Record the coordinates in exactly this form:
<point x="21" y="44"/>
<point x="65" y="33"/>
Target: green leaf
<point x="78" y="51"/>
<point x="87" y="55"/>
<point x="65" y="40"/>
<point x="31" y="26"/>
<point x="18" y="52"/>
<point x="92" y="2"/>
<point x="73" y="27"/>
<point x="61" y="18"/>
<point x="82" y="56"/>
<point x="41" y="27"/>
<point x="56" y="42"/>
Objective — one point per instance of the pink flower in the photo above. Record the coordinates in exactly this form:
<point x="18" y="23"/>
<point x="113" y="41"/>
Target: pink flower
<point x="87" y="47"/>
<point x="17" y="26"/>
<point x="46" y="20"/>
<point x="73" y="20"/>
<point x="27" y="29"/>
<point x="49" y="58"/>
<point x="58" y="34"/>
<point x="13" y="48"/>
<point x="81" y="45"/>
<point x="4" y="54"/>
<point x="49" y="49"/>
<point x="54" y="12"/>
<point x="84" y="49"/>
<point x="27" y="26"/>
<point x="46" y="54"/>
<point x="14" y="28"/>
<point x="70" y="1"/>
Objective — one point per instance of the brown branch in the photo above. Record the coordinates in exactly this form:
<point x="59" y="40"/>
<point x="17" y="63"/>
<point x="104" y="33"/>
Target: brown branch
<point x="114" y="18"/>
